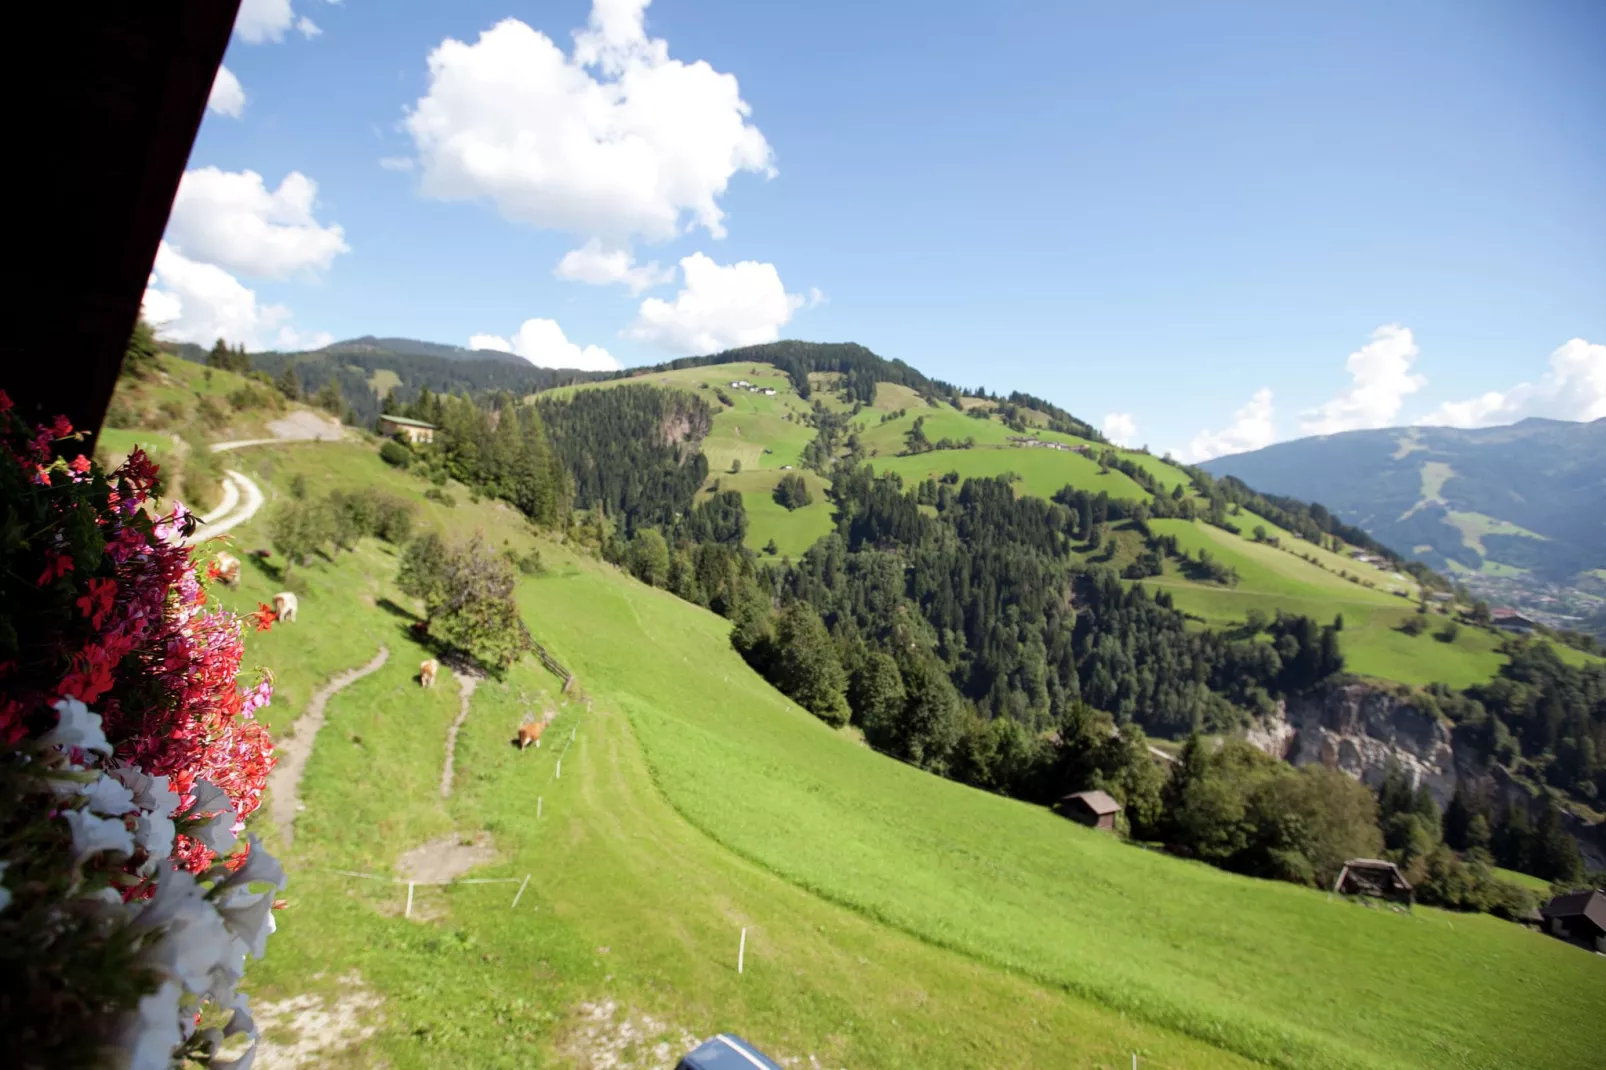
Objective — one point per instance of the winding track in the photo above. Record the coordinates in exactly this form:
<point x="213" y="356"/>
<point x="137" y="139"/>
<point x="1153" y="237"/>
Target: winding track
<point x="284" y="782"/>
<point x="466" y="683"/>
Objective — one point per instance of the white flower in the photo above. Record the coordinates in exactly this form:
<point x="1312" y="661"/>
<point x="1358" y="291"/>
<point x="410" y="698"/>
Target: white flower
<point x="147" y="1038"/>
<point x="154" y="832"/>
<point x="91" y="834"/>
<point x="193" y="940"/>
<point x="217" y="834"/>
<point x="109" y="900"/>
<point x="5" y="893"/>
<point x="260" y="867"/>
<point x="150" y="792"/>
<point x="208" y="799"/>
<point x="249" y="916"/>
<point x="242" y="1022"/>
<point x="190" y="947"/>
<point x="77" y="727"/>
<point x="109" y="797"/>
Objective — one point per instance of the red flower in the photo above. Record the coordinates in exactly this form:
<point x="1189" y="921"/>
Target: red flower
<point x="98" y="602"/>
<point x="212" y="571"/>
<point x="264" y="616"/>
<point x="56" y="565"/>
<point x="5" y="401"/>
<point x="79" y="464"/>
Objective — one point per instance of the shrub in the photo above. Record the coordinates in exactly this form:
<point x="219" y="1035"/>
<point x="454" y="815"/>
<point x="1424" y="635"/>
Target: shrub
<point x="395" y="454"/>
<point x="436" y="494"/>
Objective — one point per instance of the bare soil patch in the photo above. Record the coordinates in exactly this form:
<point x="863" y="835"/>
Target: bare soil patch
<point x="446" y="858"/>
<point x="306" y="1030"/>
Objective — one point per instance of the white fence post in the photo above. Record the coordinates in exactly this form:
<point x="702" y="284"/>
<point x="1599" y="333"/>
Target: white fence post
<point x="409" y="911"/>
<point x="538" y="807"/>
<point x="520" y="893"/>
<point x="558" y="773"/>
<point x="741" y="951"/>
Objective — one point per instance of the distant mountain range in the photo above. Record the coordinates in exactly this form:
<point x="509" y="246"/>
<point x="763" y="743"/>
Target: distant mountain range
<point x="1518" y="512"/>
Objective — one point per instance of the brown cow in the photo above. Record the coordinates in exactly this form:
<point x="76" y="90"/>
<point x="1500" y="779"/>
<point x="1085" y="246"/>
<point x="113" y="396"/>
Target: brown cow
<point x="284" y="607"/>
<point x="531" y="733"/>
<point x="227" y="568"/>
<point x="426" y="672"/>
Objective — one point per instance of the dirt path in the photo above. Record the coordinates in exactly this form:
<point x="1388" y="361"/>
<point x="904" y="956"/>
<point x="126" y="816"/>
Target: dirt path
<point x="284" y="783"/>
<point x="466" y="683"/>
<point x="241" y="500"/>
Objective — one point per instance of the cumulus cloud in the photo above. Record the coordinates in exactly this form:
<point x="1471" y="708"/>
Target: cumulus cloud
<point x="1382" y="377"/>
<point x="228" y="96"/>
<point x="616" y="141"/>
<point x="307" y="28"/>
<point x="599" y="266"/>
<point x="1251" y="429"/>
<point x="233" y="220"/>
<point x="542" y="343"/>
<point x="1120" y="428"/>
<point x="718" y="307"/>
<point x="190" y="301"/>
<point x="260" y="21"/>
<point x="1574" y="388"/>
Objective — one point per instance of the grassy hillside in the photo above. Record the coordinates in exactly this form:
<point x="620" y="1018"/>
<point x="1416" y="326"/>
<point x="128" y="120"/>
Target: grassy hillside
<point x="627" y="902"/>
<point x="893" y="919"/>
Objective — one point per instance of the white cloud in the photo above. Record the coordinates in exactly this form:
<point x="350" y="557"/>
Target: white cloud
<point x="1381" y="371"/>
<point x="1120" y="428"/>
<point x="260" y="21"/>
<point x="307" y="28"/>
<point x="541" y="342"/>
<point x="228" y="96"/>
<point x="598" y="266"/>
<point x="1251" y="429"/>
<point x="616" y="141"/>
<point x="1573" y="389"/>
<point x="719" y="307"/>
<point x="396" y="163"/>
<point x="232" y="220"/>
<point x="189" y="301"/>
<point x="816" y="297"/>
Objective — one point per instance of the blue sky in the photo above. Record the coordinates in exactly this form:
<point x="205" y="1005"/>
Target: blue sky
<point x="1216" y="225"/>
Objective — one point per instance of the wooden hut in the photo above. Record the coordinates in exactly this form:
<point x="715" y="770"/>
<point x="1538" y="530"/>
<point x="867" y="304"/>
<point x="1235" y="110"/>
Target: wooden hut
<point x="1095" y="809"/>
<point x="1374" y="878"/>
<point x="1579" y="918"/>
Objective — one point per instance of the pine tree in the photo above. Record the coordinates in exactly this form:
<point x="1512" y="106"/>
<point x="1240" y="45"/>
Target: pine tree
<point x="289" y="383"/>
<point x="808" y="667"/>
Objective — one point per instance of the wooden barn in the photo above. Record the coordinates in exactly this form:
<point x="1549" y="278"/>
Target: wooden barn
<point x="1095" y="809"/>
<point x="1578" y="918"/>
<point x="1374" y="878"/>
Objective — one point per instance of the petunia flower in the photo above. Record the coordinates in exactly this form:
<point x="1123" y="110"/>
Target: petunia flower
<point x="77" y="727"/>
<point x="154" y="833"/>
<point x="217" y="834"/>
<point x="107" y="796"/>
<point x="242" y="1022"/>
<point x="260" y="868"/>
<point x="192" y="944"/>
<point x="206" y="797"/>
<point x="249" y="917"/>
<point x="148" y="1037"/>
<point x="91" y="835"/>
<point x="150" y="792"/>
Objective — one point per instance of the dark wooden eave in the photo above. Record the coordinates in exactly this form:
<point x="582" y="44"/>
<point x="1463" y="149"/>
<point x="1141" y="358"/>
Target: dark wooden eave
<point x="111" y="96"/>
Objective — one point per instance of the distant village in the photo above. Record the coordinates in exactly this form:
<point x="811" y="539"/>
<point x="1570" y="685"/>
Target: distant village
<point x="1037" y="443"/>
<point x="743" y="384"/>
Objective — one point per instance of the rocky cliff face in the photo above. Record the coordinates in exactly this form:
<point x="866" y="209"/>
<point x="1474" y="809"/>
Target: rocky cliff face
<point x="1360" y="729"/>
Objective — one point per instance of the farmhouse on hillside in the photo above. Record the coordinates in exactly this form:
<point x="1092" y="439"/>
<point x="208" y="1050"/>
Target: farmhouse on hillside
<point x="1512" y="621"/>
<point x="415" y="431"/>
<point x="1095" y="809"/>
<point x="1375" y="878"/>
<point x="1578" y="918"/>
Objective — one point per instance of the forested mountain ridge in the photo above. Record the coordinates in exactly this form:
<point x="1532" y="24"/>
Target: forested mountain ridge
<point x="1517" y="513"/>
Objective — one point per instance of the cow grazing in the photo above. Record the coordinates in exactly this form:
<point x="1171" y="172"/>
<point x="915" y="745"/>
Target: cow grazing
<point x="426" y="672"/>
<point x="227" y="568"/>
<point x="531" y="733"/>
<point x="284" y="607"/>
